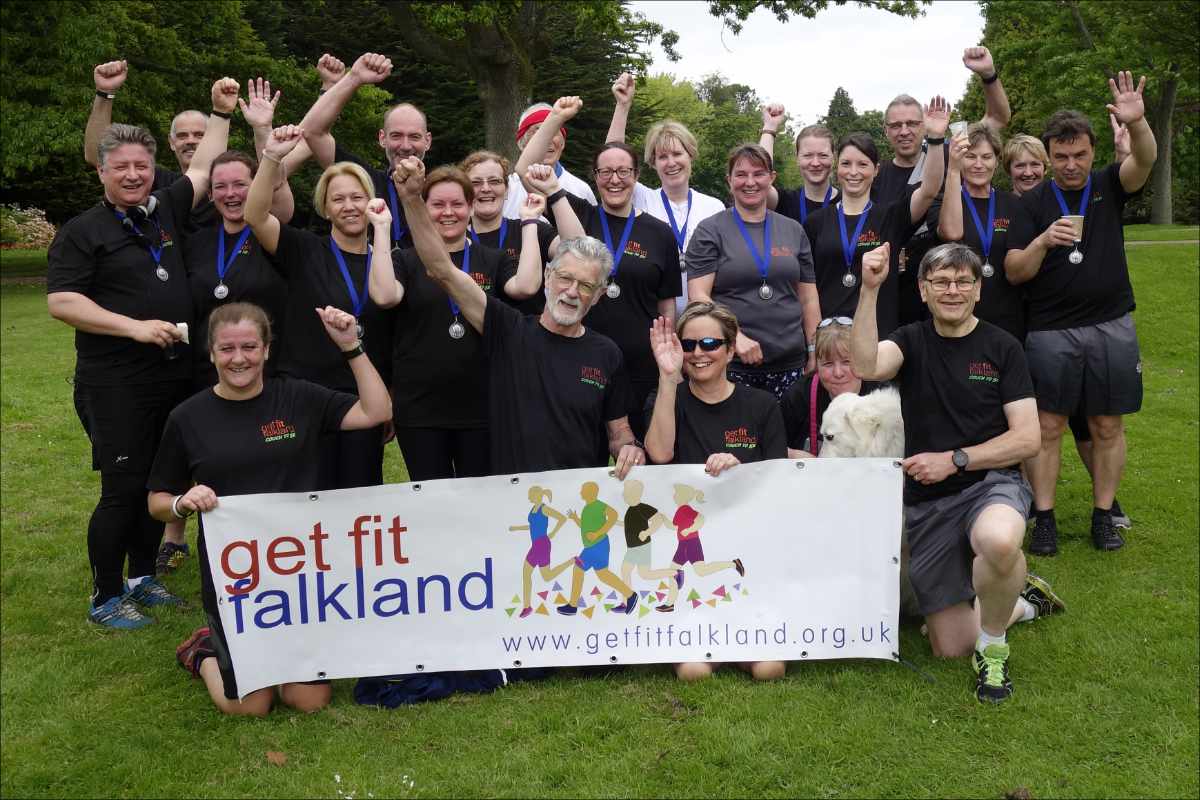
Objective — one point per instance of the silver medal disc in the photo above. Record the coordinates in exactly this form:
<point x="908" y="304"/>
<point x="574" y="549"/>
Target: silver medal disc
<point x="1076" y="257"/>
<point x="765" y="292"/>
<point x="848" y="280"/>
<point x="359" y="331"/>
<point x="221" y="292"/>
<point x="988" y="270"/>
<point x="162" y="273"/>
<point x="613" y="291"/>
<point x="457" y="331"/>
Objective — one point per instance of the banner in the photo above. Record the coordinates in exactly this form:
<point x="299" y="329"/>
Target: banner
<point x="781" y="560"/>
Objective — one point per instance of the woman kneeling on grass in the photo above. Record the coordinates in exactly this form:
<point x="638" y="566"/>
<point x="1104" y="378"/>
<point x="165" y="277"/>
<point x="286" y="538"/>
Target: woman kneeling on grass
<point x="213" y="446"/>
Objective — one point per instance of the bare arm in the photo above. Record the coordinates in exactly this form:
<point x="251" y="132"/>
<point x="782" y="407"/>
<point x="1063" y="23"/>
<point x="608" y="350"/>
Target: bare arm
<point x="385" y="290"/>
<point x="540" y="179"/>
<point x="82" y="313"/>
<point x="1022" y="440"/>
<point x="623" y="90"/>
<point x="950" y="217"/>
<point x="773" y="116"/>
<point x="565" y="109"/>
<point x="259" y="112"/>
<point x="374" y="406"/>
<point x="369" y="68"/>
<point x="622" y="447"/>
<point x="937" y="119"/>
<point x="1022" y="265"/>
<point x="810" y="309"/>
<point x="700" y="289"/>
<point x="109" y="77"/>
<point x="871" y="359"/>
<point x="996" y="110"/>
<point x="216" y="137"/>
<point x="258" y="201"/>
<point x="668" y="355"/>
<point x="528" y="280"/>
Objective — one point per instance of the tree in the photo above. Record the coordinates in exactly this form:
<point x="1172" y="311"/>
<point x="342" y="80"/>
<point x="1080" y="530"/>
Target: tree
<point x="734" y="12"/>
<point x="842" y="117"/>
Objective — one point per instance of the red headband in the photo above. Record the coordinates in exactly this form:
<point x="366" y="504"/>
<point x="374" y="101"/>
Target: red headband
<point x="535" y="118"/>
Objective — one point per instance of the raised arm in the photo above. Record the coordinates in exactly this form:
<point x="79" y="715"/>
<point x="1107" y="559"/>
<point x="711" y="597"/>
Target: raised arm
<point x="773" y="116"/>
<point x="259" y="112"/>
<point x="409" y="176"/>
<point x="369" y="68"/>
<point x="564" y="110"/>
<point x="383" y="287"/>
<point x="668" y="354"/>
<point x="528" y="280"/>
<point x="374" y="406"/>
<point x="540" y="179"/>
<point x="1129" y="109"/>
<point x="109" y="77"/>
<point x="950" y="217"/>
<point x="216" y="136"/>
<point x="871" y="359"/>
<point x="258" y="201"/>
<point x="810" y="310"/>
<point x="996" y="111"/>
<point x="623" y="90"/>
<point x="937" y="119"/>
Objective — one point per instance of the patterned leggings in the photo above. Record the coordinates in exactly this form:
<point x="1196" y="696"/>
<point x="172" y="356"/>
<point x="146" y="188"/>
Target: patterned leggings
<point x="774" y="382"/>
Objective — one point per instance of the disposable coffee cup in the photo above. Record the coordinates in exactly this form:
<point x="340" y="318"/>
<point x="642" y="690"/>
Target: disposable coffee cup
<point x="957" y="127"/>
<point x="183" y="328"/>
<point x="1077" y="223"/>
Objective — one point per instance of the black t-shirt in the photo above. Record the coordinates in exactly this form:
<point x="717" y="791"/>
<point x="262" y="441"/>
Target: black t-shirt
<point x="512" y="249"/>
<point x="886" y="222"/>
<point x="549" y="396"/>
<point x="892" y="181"/>
<point x="746" y="424"/>
<point x="953" y="393"/>
<point x="202" y="215"/>
<point x="401" y="236"/>
<point x="637" y="520"/>
<point x="314" y="281"/>
<point x="270" y="443"/>
<point x="647" y="272"/>
<point x="1066" y="295"/>
<point x="791" y="200"/>
<point x="95" y="256"/>
<point x="796" y="405"/>
<point x="438" y="381"/>
<point x="250" y="278"/>
<point x="1000" y="303"/>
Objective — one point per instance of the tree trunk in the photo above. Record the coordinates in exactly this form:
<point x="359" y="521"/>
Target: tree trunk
<point x="1161" y="206"/>
<point x="504" y="91"/>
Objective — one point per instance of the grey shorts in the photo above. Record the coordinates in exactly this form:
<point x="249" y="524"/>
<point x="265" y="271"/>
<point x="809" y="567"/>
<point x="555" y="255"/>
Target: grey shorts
<point x="1095" y="370"/>
<point x="941" y="560"/>
<point x="638" y="556"/>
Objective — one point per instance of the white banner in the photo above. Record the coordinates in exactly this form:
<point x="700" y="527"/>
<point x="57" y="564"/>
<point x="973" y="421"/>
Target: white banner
<point x="780" y="560"/>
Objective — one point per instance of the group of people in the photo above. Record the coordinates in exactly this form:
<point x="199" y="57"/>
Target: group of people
<point x="497" y="318"/>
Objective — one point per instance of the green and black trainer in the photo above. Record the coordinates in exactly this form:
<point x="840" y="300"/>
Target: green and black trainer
<point x="991" y="674"/>
<point x="1041" y="596"/>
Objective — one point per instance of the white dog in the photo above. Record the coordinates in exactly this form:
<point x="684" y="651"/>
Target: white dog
<point x="862" y="426"/>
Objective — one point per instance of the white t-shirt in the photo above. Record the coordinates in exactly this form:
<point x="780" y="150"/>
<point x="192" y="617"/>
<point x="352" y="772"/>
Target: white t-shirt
<point x="517" y="194"/>
<point x="703" y="207"/>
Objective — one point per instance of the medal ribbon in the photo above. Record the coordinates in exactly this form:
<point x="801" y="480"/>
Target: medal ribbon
<point x="223" y="265"/>
<point x="985" y="234"/>
<point x="680" y="235"/>
<point x="357" y="301"/>
<point x="761" y="260"/>
<point x="849" y="245"/>
<point x="620" y="251"/>
<point x="466" y="267"/>
<point x="804" y="203"/>
<point x="1083" y="201"/>
<point x="155" y="252"/>
<point x="503" y="232"/>
<point x="394" y="203"/>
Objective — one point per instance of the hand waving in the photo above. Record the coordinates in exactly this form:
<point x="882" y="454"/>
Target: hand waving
<point x="1127" y="105"/>
<point x="259" y="110"/>
<point x="668" y="352"/>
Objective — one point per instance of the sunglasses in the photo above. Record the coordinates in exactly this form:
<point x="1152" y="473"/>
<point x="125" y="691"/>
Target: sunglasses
<point x="844" y="321"/>
<point x="707" y="344"/>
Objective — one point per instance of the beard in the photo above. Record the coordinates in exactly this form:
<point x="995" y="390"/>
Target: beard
<point x="560" y="314"/>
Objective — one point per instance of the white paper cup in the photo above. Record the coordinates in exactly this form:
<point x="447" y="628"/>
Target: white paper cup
<point x="1077" y="222"/>
<point x="958" y="127"/>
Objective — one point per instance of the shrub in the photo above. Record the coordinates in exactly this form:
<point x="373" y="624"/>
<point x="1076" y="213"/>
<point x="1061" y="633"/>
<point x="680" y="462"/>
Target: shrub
<point x="25" y="227"/>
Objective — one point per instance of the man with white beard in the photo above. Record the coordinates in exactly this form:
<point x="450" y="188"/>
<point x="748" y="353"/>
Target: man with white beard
<point x="557" y="392"/>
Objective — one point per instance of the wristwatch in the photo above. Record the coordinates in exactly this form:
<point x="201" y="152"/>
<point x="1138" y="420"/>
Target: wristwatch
<point x="960" y="460"/>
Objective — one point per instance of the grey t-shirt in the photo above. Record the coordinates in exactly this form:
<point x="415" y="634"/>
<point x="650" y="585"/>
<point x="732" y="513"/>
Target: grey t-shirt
<point x="717" y="247"/>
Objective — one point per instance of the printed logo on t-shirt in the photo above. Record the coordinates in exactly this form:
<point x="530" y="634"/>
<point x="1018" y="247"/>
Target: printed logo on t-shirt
<point x="244" y="250"/>
<point x="983" y="371"/>
<point x="1000" y="225"/>
<point x="166" y="239"/>
<point x="482" y="281"/>
<point x="512" y="253"/>
<point x="277" y="429"/>
<point x="782" y="250"/>
<point x="636" y="249"/>
<point x="869" y="238"/>
<point x="740" y="438"/>
<point x="594" y="376"/>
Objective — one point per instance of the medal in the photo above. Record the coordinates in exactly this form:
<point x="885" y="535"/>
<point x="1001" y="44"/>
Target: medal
<point x="456" y="330"/>
<point x="680" y="233"/>
<point x="357" y="301"/>
<point x="848" y="280"/>
<point x="765" y="292"/>
<point x="761" y="260"/>
<point x="988" y="270"/>
<point x="162" y="273"/>
<point x="223" y="266"/>
<point x="850" y="245"/>
<point x="221" y="292"/>
<point x="614" y="291"/>
<point x="985" y="232"/>
<point x="1075" y="257"/>
<point x="359" y="330"/>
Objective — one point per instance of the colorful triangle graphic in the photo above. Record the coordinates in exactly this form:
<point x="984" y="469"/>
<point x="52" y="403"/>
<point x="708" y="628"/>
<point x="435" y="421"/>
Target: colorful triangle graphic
<point x="559" y="599"/>
<point x="662" y="585"/>
<point x="509" y="611"/>
<point x="660" y="595"/>
<point x="541" y="609"/>
<point x="695" y="603"/>
<point x="557" y="587"/>
<point x="643" y="611"/>
<point x="516" y="598"/>
<point x="719" y="591"/>
<point x="587" y="612"/>
<point x="712" y="602"/>
<point x="612" y="596"/>
<point x="595" y="592"/>
<point x="542" y="595"/>
<point x="693" y="595"/>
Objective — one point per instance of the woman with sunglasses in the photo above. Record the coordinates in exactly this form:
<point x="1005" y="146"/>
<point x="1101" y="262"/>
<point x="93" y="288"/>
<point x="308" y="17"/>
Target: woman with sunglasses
<point x="805" y="402"/>
<point x="696" y="403"/>
<point x="842" y="232"/>
<point x="758" y="264"/>
<point x="645" y="277"/>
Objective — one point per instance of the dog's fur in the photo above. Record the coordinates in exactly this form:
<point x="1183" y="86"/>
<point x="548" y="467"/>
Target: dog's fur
<point x="863" y="426"/>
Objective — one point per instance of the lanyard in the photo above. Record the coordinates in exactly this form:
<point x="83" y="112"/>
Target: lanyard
<point x="1083" y="201"/>
<point x="849" y="245"/>
<point x="558" y="169"/>
<point x="466" y="267"/>
<point x="804" y="203"/>
<point x="357" y="301"/>
<point x="985" y="234"/>
<point x="130" y="226"/>
<point x="394" y="203"/>
<point x="761" y="260"/>
<point x="503" y="232"/>
<point x="620" y="251"/>
<point x="680" y="234"/>
<point x="223" y="265"/>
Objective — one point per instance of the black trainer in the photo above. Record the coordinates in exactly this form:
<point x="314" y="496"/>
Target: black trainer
<point x="992" y="684"/>
<point x="1044" y="540"/>
<point x="1105" y="535"/>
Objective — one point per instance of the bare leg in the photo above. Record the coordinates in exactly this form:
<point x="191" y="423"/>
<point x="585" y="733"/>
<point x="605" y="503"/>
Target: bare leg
<point x="1108" y="457"/>
<point x="1043" y="468"/>
<point x="256" y="704"/>
<point x="607" y="576"/>
<point x="1085" y="453"/>
<point x="306" y="697"/>
<point x="673" y="591"/>
<point x="953" y="630"/>
<point x="764" y="670"/>
<point x="705" y="568"/>
<point x="549" y="574"/>
<point x="576" y="585"/>
<point x="526" y="582"/>
<point x="626" y="572"/>
<point x="999" y="570"/>
<point x="695" y="670"/>
<point x="174" y="532"/>
<point x="648" y="574"/>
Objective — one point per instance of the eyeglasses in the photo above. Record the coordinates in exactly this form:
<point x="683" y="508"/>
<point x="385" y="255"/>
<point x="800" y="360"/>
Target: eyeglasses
<point x="566" y="281"/>
<point x="943" y="284"/>
<point x="912" y="125"/>
<point x="707" y="344"/>
<point x="604" y="173"/>
<point x="494" y="183"/>
<point x="843" y="321"/>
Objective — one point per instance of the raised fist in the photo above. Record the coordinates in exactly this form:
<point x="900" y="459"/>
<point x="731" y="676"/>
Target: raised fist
<point x="979" y="61"/>
<point x="409" y="176"/>
<point x="566" y="108"/>
<point x="542" y="178"/>
<point x="875" y="266"/>
<point x="371" y="68"/>
<point x="533" y="207"/>
<point x="330" y="70"/>
<point x="378" y="212"/>
<point x="225" y="95"/>
<point x="282" y="141"/>
<point x="110" y="76"/>
<point x="773" y="116"/>
<point x="623" y="89"/>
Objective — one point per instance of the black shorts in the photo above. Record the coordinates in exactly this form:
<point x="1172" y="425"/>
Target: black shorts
<point x="125" y="423"/>
<point x="1095" y="370"/>
<point x="939" y="536"/>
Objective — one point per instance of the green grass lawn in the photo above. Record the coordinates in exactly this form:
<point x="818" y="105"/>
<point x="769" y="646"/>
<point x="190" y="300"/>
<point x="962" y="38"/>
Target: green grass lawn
<point x="1161" y="233"/>
<point x="17" y="263"/>
<point x="1106" y="699"/>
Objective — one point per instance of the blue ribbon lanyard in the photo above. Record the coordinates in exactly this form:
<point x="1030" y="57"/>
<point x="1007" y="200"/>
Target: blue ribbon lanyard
<point x="558" y="169"/>
<point x="394" y="203"/>
<point x="849" y="245"/>
<point x="680" y="234"/>
<point x="804" y="203"/>
<point x="761" y="260"/>
<point x="620" y="251"/>
<point x="466" y="267"/>
<point x="1083" y="201"/>
<point x="985" y="234"/>
<point x="503" y="232"/>
<point x="223" y="265"/>
<point x="155" y="252"/>
<point x="357" y="301"/>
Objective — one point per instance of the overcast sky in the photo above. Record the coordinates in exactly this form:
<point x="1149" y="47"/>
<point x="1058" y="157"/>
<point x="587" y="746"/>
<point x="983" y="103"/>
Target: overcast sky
<point x="873" y="54"/>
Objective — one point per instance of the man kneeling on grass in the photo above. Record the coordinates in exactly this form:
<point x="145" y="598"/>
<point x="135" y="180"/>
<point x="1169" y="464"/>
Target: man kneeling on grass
<point x="969" y="418"/>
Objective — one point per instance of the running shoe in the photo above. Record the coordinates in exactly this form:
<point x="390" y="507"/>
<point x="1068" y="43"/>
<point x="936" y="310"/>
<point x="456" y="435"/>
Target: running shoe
<point x="629" y="605"/>
<point x="170" y="557"/>
<point x="991" y="674"/>
<point x="525" y="612"/>
<point x="1044" y="540"/>
<point x="737" y="564"/>
<point x="152" y="593"/>
<point x="665" y="608"/>
<point x="195" y="649"/>
<point x="1119" y="517"/>
<point x="1041" y="596"/>
<point x="568" y="610"/>
<point x="116" y="613"/>
<point x="1104" y="534"/>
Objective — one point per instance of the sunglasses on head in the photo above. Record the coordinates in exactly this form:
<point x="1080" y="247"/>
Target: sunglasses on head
<point x="707" y="344"/>
<point x="844" y="321"/>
